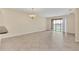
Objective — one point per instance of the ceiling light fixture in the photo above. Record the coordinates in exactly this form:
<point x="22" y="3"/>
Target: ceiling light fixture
<point x="32" y="14"/>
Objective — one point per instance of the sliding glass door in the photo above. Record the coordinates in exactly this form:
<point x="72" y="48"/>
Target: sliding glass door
<point x="58" y="25"/>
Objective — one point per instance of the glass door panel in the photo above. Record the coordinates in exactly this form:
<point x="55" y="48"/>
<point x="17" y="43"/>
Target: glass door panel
<point x="58" y="25"/>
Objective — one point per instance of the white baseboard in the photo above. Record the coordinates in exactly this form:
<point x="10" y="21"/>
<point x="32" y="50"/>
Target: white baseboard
<point x="19" y="34"/>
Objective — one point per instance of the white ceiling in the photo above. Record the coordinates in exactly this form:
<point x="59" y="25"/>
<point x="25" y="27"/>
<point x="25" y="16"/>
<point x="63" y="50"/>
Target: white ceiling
<point x="48" y="12"/>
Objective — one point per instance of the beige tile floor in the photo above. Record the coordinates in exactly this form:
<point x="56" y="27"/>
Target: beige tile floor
<point x="41" y="41"/>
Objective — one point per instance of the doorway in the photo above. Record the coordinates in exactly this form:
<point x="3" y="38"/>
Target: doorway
<point x="57" y="25"/>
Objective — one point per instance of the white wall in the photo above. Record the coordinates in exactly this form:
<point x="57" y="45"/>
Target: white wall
<point x="48" y="24"/>
<point x="19" y="23"/>
<point x="1" y="19"/>
<point x="70" y="23"/>
<point x="76" y="12"/>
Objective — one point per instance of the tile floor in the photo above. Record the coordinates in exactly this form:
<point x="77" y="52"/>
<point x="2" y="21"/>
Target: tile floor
<point x="41" y="41"/>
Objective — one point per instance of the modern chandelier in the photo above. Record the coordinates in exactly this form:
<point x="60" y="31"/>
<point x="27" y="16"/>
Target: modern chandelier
<point x="32" y="15"/>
